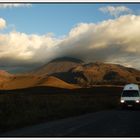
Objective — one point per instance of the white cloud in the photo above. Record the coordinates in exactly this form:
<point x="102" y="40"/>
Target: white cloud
<point x="2" y="23"/>
<point x="20" y="46"/>
<point x="114" y="41"/>
<point x="116" y="10"/>
<point x="11" y="5"/>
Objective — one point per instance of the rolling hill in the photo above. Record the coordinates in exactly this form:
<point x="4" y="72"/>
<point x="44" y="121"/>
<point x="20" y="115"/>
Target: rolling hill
<point x="26" y="81"/>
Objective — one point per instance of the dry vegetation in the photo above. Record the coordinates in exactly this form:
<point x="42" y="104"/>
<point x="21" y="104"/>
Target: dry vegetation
<point x="20" y="108"/>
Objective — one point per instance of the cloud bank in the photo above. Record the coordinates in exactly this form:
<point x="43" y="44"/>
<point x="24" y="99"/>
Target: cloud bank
<point x="113" y="41"/>
<point x="116" y="10"/>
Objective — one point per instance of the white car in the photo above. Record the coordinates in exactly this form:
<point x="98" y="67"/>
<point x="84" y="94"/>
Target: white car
<point x="130" y="96"/>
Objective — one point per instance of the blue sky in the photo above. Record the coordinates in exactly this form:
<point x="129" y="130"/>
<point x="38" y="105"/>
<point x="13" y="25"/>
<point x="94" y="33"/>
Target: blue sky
<point x="92" y="32"/>
<point x="55" y="18"/>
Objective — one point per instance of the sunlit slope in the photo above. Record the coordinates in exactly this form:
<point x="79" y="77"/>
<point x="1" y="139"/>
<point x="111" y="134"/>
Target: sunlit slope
<point x="25" y="81"/>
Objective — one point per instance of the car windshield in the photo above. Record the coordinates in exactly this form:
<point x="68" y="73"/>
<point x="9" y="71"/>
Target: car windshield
<point x="130" y="93"/>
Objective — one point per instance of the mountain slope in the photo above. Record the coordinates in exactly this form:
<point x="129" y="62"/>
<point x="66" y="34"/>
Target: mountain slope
<point x="26" y="81"/>
<point x="100" y="73"/>
<point x="62" y="64"/>
<point x="52" y="81"/>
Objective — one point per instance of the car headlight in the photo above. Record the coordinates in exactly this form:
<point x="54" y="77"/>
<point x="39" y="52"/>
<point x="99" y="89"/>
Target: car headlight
<point x="137" y="101"/>
<point x="122" y="101"/>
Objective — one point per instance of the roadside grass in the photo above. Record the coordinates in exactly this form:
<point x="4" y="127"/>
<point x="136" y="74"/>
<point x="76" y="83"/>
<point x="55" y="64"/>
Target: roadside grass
<point x="21" y="108"/>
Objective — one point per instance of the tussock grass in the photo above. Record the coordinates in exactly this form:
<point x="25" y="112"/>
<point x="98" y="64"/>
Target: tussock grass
<point x="20" y="108"/>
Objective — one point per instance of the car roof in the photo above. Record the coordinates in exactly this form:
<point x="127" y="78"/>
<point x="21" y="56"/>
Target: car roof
<point x="131" y="87"/>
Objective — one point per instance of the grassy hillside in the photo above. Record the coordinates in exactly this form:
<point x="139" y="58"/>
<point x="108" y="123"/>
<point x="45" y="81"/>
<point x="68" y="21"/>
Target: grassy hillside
<point x="19" y="108"/>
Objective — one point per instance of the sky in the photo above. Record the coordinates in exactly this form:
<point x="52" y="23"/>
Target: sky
<point x="33" y="34"/>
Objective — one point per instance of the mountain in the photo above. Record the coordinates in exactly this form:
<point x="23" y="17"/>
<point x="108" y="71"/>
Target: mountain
<point x="100" y="73"/>
<point x="41" y="76"/>
<point x="70" y="73"/>
<point x="75" y="71"/>
<point x="62" y="64"/>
